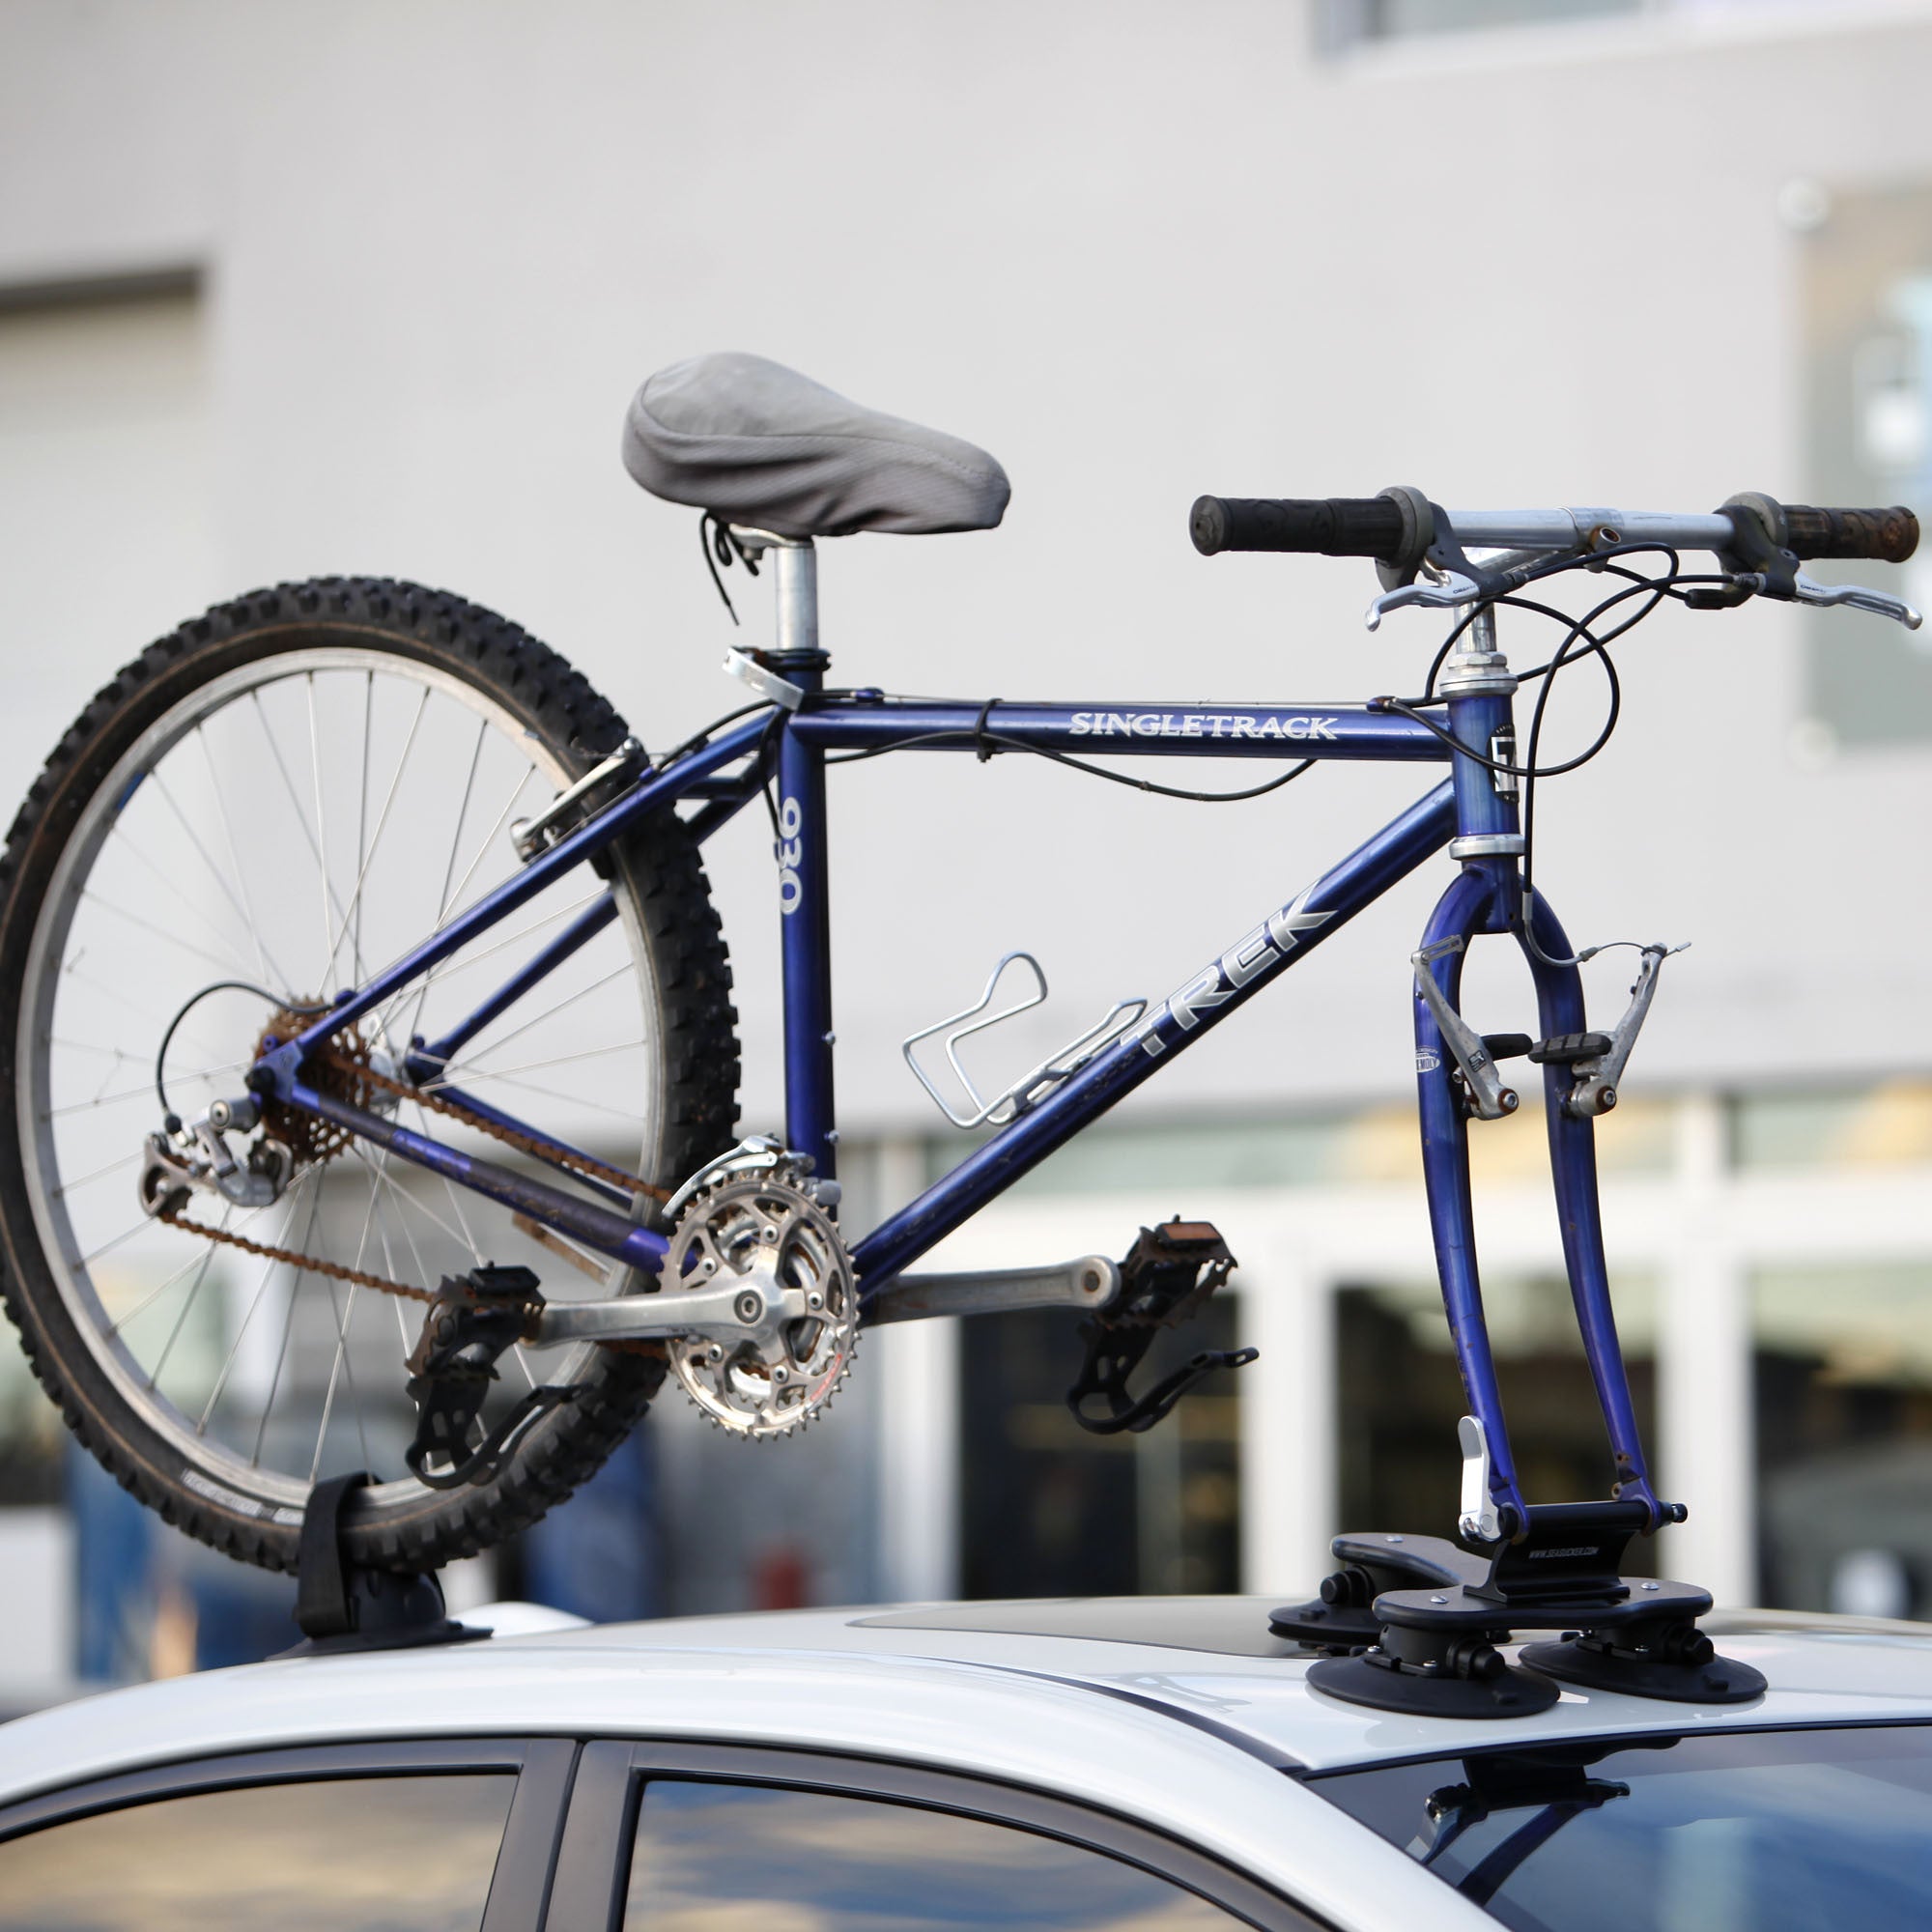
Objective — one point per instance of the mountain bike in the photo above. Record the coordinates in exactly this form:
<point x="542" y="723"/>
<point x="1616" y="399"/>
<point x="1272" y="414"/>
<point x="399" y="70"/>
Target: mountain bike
<point x="369" y="1028"/>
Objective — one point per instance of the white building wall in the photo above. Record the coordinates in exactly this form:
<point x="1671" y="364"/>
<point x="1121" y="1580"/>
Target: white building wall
<point x="1138" y="252"/>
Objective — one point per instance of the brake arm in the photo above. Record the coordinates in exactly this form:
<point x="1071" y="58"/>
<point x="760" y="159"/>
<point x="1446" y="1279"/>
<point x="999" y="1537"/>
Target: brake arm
<point x="1597" y="1076"/>
<point x="1489" y="1098"/>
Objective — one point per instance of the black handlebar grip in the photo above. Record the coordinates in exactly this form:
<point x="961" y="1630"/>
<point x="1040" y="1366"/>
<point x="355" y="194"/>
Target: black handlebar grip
<point x="1889" y="535"/>
<point x="1325" y="525"/>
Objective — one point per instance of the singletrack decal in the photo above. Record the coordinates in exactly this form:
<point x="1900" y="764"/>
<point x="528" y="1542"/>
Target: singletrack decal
<point x="1198" y="724"/>
<point x="1267" y="947"/>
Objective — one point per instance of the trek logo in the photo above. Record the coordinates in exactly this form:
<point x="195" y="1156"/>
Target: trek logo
<point x="1265" y="947"/>
<point x="791" y="850"/>
<point x="1199" y="724"/>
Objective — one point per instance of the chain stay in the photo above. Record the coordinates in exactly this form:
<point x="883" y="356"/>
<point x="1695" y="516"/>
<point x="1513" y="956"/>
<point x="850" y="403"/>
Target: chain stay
<point x="529" y="1144"/>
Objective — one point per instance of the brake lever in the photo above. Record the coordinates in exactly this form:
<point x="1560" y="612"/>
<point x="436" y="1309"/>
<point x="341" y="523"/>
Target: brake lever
<point x="1454" y="588"/>
<point x="1856" y="597"/>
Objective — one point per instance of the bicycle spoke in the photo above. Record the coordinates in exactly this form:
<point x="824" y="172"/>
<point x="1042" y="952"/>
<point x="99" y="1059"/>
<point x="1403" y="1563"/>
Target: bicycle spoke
<point x="228" y="965"/>
<point x="321" y="833"/>
<point x="551" y="1012"/>
<point x="108" y="1247"/>
<point x="448" y="969"/>
<point x="295" y="803"/>
<point x="288" y="1329"/>
<point x="459" y="1070"/>
<point x="376" y="838"/>
<point x="250" y="925"/>
<point x="401" y="1196"/>
<point x="72" y="972"/>
<point x="342" y="1320"/>
<point x="98" y="1174"/>
<point x="255" y="1302"/>
<point x="629" y="1118"/>
<point x="187" y="1305"/>
<point x="449" y="871"/>
<point x="153" y="1294"/>
<point x="270" y="971"/>
<point x="489" y="837"/>
<point x="361" y="828"/>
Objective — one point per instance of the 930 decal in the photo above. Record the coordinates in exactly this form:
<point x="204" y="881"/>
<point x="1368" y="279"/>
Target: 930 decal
<point x="791" y="850"/>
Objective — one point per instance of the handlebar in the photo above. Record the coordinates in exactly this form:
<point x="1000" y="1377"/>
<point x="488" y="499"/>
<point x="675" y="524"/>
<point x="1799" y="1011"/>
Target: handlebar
<point x="1373" y="527"/>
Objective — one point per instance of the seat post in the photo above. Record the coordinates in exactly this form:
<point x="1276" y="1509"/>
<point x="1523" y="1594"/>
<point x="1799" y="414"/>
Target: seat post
<point x="795" y="571"/>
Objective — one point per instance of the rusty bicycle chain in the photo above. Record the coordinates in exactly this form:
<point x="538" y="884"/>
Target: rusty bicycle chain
<point x="530" y="1144"/>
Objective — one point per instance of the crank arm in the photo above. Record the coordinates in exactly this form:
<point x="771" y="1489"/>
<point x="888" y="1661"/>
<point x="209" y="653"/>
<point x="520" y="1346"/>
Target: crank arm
<point x="1092" y="1282"/>
<point x="727" y="1311"/>
<point x="1489" y="1098"/>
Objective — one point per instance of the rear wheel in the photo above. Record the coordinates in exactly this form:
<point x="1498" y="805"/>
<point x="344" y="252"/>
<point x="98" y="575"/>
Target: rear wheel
<point x="286" y="794"/>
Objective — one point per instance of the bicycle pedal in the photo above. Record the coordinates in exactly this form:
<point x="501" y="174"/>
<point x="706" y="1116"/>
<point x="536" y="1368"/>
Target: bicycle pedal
<point x="474" y="1320"/>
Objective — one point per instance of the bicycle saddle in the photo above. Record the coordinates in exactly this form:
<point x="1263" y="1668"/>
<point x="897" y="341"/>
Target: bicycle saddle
<point x="757" y="443"/>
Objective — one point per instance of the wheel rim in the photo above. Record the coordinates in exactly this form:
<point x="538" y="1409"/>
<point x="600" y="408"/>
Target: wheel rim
<point x="254" y="812"/>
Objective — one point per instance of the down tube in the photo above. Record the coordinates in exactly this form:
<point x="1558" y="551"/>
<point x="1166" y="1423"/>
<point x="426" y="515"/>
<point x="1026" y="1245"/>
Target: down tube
<point x="1189" y="1011"/>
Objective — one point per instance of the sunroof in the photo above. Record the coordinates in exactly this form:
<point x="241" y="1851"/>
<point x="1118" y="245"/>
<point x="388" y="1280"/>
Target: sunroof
<point x="1229" y="1626"/>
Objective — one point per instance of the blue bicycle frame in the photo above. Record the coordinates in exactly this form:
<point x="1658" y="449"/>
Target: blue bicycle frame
<point x="787" y="748"/>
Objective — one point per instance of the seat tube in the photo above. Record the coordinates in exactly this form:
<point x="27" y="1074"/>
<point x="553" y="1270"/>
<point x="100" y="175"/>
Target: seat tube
<point x="804" y="874"/>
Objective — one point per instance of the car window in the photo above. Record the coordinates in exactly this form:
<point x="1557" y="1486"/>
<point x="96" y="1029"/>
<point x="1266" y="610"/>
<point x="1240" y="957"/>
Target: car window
<point x="746" y="1858"/>
<point x="1777" y="1831"/>
<point x="405" y="1854"/>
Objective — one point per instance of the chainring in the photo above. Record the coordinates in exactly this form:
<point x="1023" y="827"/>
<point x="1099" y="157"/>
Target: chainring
<point x="767" y="1230"/>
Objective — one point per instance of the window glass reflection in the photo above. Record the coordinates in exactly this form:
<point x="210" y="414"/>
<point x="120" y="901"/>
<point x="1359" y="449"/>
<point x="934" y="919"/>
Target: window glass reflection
<point x="1777" y="1832"/>
<point x="1843" y="1359"/>
<point x="741" y="1858"/>
<point x="342" y="1855"/>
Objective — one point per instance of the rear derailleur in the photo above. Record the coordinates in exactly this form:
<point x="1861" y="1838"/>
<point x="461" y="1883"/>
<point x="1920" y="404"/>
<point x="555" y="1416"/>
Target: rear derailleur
<point x="1166" y="1279"/>
<point x="183" y="1160"/>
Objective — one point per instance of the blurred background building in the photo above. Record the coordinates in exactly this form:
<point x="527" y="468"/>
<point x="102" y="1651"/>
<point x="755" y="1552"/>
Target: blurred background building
<point x="365" y="287"/>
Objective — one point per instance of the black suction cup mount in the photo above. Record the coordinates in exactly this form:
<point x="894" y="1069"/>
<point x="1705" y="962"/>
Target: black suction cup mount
<point x="1435" y="1652"/>
<point x="342" y="1606"/>
<point x="1671" y="1660"/>
<point x="1341" y="1621"/>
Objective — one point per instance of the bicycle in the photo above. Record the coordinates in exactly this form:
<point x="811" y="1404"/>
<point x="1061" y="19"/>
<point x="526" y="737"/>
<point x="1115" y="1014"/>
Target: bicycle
<point x="357" y="1129"/>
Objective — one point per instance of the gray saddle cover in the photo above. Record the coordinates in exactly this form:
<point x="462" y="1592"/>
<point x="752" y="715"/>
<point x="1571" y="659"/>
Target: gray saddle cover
<point x="760" y="444"/>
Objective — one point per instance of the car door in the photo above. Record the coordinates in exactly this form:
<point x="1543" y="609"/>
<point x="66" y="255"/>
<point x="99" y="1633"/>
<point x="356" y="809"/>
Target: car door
<point x="457" y="1835"/>
<point x="676" y="1838"/>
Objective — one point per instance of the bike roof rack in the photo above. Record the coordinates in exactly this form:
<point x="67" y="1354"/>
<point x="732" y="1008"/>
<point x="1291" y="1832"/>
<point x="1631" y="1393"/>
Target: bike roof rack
<point x="342" y="1605"/>
<point x="1413" y="1623"/>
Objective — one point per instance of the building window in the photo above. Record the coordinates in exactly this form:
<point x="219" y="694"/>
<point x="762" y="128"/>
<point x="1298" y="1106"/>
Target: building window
<point x="1400" y="1396"/>
<point x="1865" y="282"/>
<point x="1843" y="1361"/>
<point x="1049" y="1510"/>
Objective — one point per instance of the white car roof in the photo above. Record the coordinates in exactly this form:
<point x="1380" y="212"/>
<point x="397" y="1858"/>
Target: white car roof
<point x="1182" y="1712"/>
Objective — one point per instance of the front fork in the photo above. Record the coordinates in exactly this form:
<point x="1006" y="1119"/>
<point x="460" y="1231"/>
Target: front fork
<point x="1486" y="897"/>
